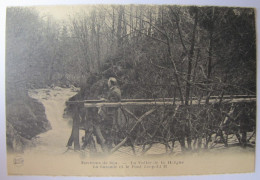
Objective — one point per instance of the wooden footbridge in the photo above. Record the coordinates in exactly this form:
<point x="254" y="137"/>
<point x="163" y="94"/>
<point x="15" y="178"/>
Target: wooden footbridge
<point x="147" y="106"/>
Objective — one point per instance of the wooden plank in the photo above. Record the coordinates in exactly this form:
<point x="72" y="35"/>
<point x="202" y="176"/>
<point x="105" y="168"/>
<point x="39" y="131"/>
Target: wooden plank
<point x="123" y="100"/>
<point x="160" y="99"/>
<point x="164" y="103"/>
<point x="118" y="104"/>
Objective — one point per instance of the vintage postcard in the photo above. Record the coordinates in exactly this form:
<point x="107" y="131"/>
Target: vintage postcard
<point x="130" y="90"/>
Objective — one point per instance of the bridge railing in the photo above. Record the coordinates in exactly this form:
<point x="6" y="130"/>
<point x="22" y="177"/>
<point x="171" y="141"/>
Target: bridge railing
<point x="203" y="122"/>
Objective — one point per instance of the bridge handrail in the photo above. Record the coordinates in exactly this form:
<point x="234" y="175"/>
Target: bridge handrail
<point x="164" y="103"/>
<point x="161" y="99"/>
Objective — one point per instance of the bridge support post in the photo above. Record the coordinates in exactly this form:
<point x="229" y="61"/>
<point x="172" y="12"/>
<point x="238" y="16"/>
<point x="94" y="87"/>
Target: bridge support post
<point x="75" y="130"/>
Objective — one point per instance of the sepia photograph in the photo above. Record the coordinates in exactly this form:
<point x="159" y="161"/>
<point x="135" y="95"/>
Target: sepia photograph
<point x="130" y="90"/>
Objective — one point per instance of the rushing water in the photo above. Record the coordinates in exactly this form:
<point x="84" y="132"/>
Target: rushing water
<point x="53" y="141"/>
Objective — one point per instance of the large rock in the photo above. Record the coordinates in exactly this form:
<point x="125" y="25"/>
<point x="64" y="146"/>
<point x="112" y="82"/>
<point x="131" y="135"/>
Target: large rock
<point x="14" y="141"/>
<point x="25" y="119"/>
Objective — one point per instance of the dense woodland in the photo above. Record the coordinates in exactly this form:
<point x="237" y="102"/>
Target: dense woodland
<point x="182" y="52"/>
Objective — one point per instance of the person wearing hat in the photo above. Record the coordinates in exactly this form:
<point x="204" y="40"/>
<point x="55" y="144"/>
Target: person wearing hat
<point x="114" y="91"/>
<point x="111" y="115"/>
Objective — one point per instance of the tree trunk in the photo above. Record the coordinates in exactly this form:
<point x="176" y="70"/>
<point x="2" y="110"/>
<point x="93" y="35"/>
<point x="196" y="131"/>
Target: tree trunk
<point x="190" y="58"/>
<point x="188" y="86"/>
<point x="119" y="26"/>
<point x="211" y="31"/>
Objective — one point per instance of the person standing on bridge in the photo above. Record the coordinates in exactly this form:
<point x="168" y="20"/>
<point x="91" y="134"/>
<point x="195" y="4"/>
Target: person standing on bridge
<point x="114" y="95"/>
<point x="111" y="115"/>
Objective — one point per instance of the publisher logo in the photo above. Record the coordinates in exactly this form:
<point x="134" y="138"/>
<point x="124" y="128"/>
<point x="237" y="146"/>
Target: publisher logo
<point x="18" y="161"/>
